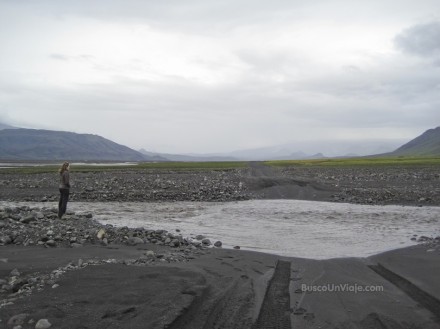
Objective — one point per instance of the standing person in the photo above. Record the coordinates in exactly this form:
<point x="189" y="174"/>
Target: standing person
<point x="64" y="189"/>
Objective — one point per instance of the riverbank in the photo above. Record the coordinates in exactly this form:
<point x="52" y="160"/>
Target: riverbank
<point x="103" y="287"/>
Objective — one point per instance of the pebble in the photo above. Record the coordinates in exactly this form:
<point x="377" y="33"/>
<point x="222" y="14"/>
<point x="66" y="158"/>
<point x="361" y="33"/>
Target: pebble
<point x="51" y="243"/>
<point x="134" y="241"/>
<point x="14" y="272"/>
<point x="100" y="234"/>
<point x="150" y="253"/>
<point x="43" y="324"/>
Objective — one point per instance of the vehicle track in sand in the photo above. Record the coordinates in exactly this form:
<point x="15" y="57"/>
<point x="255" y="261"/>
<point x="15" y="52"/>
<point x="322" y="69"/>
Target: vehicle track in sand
<point x="275" y="310"/>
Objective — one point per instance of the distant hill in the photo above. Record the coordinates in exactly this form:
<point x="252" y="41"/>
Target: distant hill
<point x="427" y="144"/>
<point x="5" y="126"/>
<point x="187" y="158"/>
<point x="33" y="144"/>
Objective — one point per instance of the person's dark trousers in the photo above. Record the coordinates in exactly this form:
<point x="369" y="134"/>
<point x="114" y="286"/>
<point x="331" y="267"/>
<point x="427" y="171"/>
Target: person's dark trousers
<point x="62" y="205"/>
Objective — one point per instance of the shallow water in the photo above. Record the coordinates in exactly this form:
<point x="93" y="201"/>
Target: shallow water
<point x="308" y="229"/>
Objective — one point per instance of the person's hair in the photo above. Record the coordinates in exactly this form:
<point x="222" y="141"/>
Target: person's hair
<point x="64" y="167"/>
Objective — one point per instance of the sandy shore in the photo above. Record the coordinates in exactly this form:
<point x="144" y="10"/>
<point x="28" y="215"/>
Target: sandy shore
<point x="218" y="288"/>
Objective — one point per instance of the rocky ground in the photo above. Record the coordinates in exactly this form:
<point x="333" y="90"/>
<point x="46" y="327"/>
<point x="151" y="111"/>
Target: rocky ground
<point x="406" y="185"/>
<point x="410" y="185"/>
<point x="128" y="185"/>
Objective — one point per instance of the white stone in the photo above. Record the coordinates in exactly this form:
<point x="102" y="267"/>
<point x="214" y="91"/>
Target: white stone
<point x="43" y="324"/>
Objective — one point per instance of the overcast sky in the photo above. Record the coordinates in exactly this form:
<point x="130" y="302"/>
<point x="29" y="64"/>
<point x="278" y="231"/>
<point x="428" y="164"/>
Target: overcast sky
<point x="215" y="76"/>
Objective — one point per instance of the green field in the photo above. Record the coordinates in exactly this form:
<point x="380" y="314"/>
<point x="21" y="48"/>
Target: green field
<point x="364" y="162"/>
<point x="206" y="166"/>
<point x="200" y="166"/>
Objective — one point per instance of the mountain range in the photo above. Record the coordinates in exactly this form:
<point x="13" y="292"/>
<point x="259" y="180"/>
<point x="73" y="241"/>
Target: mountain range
<point x="34" y="145"/>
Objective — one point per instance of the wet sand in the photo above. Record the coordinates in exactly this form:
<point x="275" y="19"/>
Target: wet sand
<point x="224" y="289"/>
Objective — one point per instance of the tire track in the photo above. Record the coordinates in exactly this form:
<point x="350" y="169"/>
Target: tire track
<point x="275" y="310"/>
<point x="425" y="299"/>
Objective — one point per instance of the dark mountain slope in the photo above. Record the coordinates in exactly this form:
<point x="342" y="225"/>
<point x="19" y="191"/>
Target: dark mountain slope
<point x="32" y="144"/>
<point x="427" y="144"/>
<point x="5" y="126"/>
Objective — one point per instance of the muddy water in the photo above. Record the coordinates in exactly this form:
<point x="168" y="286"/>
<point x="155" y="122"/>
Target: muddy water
<point x="308" y="229"/>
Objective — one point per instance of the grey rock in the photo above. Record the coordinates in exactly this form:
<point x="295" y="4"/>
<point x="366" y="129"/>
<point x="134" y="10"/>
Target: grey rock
<point x="175" y="243"/>
<point x="18" y="284"/>
<point x="218" y="244"/>
<point x="15" y="217"/>
<point x="51" y="243"/>
<point x="206" y="242"/>
<point x="134" y="241"/>
<point x="196" y="243"/>
<point x="5" y="239"/>
<point x="28" y="219"/>
<point x="43" y="324"/>
<point x="150" y="253"/>
<point x="14" y="272"/>
<point x="18" y="319"/>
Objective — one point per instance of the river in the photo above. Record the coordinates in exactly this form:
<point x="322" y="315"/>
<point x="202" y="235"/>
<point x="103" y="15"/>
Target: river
<point x="309" y="229"/>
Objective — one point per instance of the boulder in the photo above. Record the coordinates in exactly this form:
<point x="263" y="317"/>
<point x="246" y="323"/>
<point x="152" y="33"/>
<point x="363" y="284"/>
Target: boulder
<point x="43" y="324"/>
<point x="29" y="218"/>
<point x="206" y="242"/>
<point x="133" y="241"/>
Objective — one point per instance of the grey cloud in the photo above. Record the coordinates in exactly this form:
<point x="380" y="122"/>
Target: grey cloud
<point x="59" y="57"/>
<point x="423" y="39"/>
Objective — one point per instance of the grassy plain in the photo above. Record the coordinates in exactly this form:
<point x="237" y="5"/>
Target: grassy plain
<point x="197" y="166"/>
<point x="225" y="165"/>
<point x="364" y="162"/>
